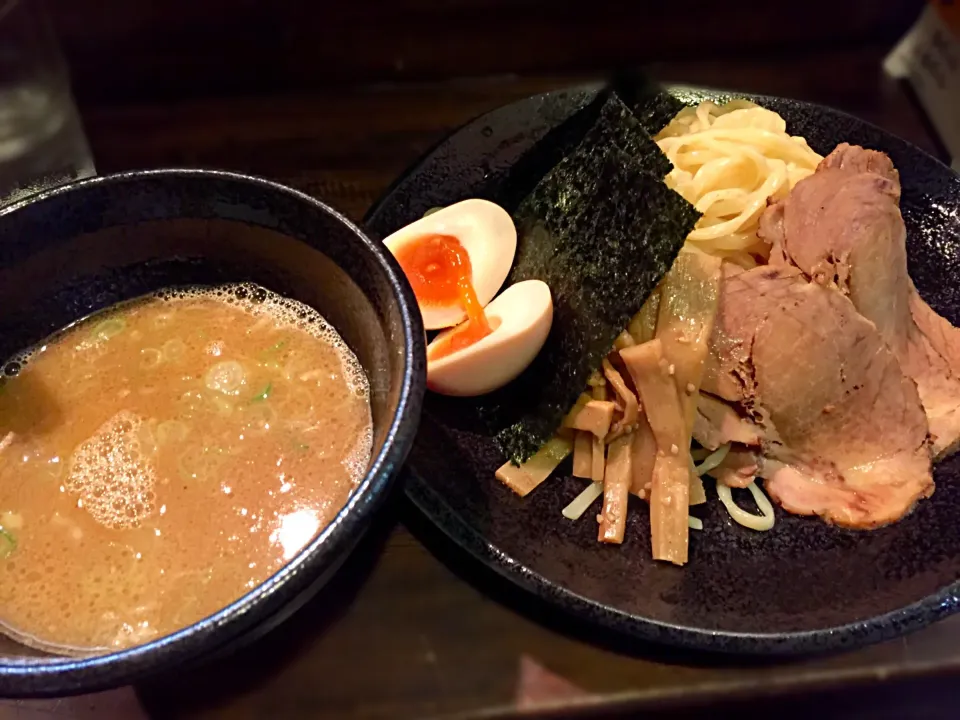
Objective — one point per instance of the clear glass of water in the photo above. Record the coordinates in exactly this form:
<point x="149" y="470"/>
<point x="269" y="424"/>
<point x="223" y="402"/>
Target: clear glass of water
<point x="42" y="142"/>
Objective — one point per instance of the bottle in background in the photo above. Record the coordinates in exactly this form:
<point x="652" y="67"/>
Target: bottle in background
<point x="42" y="142"/>
<point x="928" y="58"/>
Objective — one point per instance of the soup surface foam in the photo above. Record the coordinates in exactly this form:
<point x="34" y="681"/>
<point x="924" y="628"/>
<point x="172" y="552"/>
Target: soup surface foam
<point x="162" y="458"/>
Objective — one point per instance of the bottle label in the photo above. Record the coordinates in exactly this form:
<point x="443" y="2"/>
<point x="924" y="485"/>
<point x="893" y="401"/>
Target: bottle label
<point x="928" y="58"/>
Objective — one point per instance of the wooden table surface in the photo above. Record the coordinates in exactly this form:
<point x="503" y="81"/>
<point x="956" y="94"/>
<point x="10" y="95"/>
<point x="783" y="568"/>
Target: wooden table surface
<point x="410" y="627"/>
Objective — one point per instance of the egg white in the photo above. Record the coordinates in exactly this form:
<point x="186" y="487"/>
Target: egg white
<point x="521" y="318"/>
<point x="486" y="232"/>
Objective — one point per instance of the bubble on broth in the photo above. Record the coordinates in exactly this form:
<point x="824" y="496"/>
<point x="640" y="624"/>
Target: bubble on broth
<point x="259" y="301"/>
<point x="356" y="462"/>
<point x="112" y="477"/>
<point x="256" y="300"/>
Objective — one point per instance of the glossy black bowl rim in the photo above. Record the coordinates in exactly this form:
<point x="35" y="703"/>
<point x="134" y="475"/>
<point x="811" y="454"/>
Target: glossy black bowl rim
<point x="623" y="624"/>
<point x="46" y="677"/>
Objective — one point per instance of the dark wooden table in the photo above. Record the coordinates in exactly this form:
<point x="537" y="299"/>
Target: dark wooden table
<point x="410" y="627"/>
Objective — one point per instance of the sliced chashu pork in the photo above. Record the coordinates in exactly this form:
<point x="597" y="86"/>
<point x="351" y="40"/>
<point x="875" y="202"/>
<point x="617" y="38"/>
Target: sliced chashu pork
<point x="842" y="227"/>
<point x="717" y="423"/>
<point x="844" y="433"/>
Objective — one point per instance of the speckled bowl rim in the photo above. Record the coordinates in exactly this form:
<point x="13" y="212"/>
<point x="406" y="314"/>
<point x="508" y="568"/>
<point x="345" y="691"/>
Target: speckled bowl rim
<point x="628" y="625"/>
<point x="29" y="677"/>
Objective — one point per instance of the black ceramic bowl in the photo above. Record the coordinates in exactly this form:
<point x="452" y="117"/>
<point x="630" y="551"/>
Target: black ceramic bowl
<point x="802" y="587"/>
<point x="71" y="251"/>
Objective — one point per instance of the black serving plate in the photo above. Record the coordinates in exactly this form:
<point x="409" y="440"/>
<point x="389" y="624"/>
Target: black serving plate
<point x="803" y="587"/>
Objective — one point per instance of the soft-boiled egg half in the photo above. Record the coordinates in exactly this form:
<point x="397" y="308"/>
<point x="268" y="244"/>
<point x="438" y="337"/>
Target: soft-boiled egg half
<point x="519" y="319"/>
<point x="456" y="259"/>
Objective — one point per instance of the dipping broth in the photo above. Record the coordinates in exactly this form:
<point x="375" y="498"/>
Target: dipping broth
<point x="159" y="460"/>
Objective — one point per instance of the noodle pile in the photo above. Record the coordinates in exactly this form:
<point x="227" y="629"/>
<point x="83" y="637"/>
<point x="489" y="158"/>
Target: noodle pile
<point x="728" y="162"/>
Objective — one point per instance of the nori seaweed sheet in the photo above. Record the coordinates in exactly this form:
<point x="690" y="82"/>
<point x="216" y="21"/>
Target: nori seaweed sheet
<point x="617" y="127"/>
<point x="605" y="120"/>
<point x="601" y="229"/>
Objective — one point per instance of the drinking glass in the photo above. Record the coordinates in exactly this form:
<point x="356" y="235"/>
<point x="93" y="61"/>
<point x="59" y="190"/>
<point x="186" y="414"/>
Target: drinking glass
<point x="42" y="142"/>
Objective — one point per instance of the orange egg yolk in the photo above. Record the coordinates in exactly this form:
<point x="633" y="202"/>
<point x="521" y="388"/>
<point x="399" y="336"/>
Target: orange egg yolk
<point x="463" y="335"/>
<point x="439" y="271"/>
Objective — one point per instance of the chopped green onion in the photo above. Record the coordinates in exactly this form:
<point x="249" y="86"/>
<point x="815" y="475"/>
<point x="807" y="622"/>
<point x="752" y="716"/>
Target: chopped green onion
<point x="272" y="350"/>
<point x="8" y="543"/>
<point x="263" y="394"/>
<point x="174" y="349"/>
<point x="150" y="357"/>
<point x="694" y="523"/>
<point x="108" y="329"/>
<point x="225" y="377"/>
<point x="171" y="432"/>
<point x="202" y="465"/>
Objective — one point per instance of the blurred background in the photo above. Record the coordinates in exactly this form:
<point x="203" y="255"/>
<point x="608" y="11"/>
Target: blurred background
<point x="336" y="98"/>
<point x="129" y="50"/>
